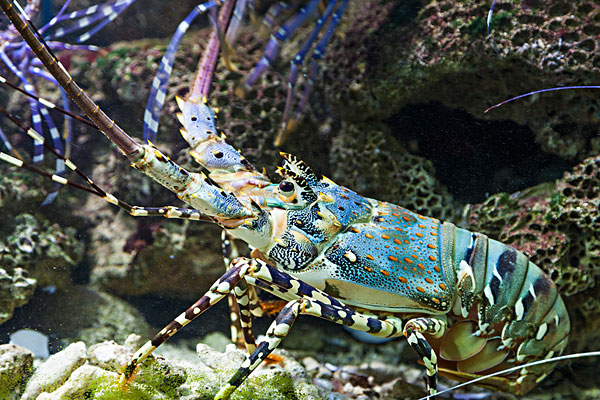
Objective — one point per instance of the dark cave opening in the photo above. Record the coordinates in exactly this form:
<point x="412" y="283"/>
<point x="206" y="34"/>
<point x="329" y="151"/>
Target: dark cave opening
<point x="473" y="157"/>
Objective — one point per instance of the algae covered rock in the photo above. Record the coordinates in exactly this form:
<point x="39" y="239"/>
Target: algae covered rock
<point x="93" y="373"/>
<point x="55" y="370"/>
<point x="16" y="365"/>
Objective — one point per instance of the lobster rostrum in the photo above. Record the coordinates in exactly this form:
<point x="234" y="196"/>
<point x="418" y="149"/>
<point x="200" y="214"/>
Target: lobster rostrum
<point x="468" y="305"/>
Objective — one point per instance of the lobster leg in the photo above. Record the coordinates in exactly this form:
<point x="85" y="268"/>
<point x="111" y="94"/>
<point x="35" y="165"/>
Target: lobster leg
<point x="158" y="90"/>
<point x="242" y="300"/>
<point x="309" y="306"/>
<point x="303" y="298"/>
<point x="273" y="46"/>
<point x="414" y="330"/>
<point x="288" y="124"/>
<point x="221" y="288"/>
<point x="239" y="300"/>
<point x="295" y="66"/>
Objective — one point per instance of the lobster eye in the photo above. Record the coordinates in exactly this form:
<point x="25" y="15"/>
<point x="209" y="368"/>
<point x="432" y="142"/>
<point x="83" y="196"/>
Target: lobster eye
<point x="286" y="188"/>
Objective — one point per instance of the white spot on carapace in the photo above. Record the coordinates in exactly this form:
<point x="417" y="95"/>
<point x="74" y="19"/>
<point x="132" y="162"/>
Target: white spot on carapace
<point x="350" y="256"/>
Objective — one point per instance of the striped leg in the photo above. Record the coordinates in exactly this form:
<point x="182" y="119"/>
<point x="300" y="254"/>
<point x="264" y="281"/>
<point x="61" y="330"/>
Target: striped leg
<point x="38" y="111"/>
<point x="239" y="301"/>
<point x="242" y="303"/>
<point x="319" y="308"/>
<point x="158" y="90"/>
<point x="80" y="19"/>
<point x="279" y="37"/>
<point x="414" y="330"/>
<point x="295" y="66"/>
<point x="287" y="122"/>
<point x="221" y="288"/>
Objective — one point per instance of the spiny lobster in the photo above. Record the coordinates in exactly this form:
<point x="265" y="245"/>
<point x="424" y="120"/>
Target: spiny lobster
<point x="475" y="303"/>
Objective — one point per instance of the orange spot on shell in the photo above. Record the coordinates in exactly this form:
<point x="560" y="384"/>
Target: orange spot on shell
<point x="406" y="218"/>
<point x="419" y="234"/>
<point x="437" y="269"/>
<point x="432" y="258"/>
<point x="420" y="289"/>
<point x="414" y="256"/>
<point x="354" y="230"/>
<point x="370" y="257"/>
<point x="429" y="280"/>
<point x="433" y="233"/>
<point x="384" y="272"/>
<point x="422" y="226"/>
<point x="369" y="269"/>
<point x="408" y="260"/>
<point x="443" y="286"/>
<point x="397" y="241"/>
<point x="435" y="300"/>
<point x="368" y="235"/>
<point x="385" y="237"/>
<point x="402" y="279"/>
<point x="431" y="246"/>
<point x="392" y="258"/>
<point x="421" y="266"/>
<point x="406" y="241"/>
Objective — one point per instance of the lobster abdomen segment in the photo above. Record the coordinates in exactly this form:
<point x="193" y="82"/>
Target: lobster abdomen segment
<point x="510" y="304"/>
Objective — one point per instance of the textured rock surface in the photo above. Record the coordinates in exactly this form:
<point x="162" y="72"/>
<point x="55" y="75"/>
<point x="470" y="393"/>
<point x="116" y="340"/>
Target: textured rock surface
<point x="55" y="370"/>
<point x="421" y="46"/>
<point x="34" y="249"/>
<point x="16" y="364"/>
<point x="77" y="372"/>
<point x="78" y="313"/>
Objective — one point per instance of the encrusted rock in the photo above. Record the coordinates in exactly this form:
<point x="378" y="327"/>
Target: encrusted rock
<point x="64" y="375"/>
<point x="393" y="56"/>
<point x="370" y="161"/>
<point x="55" y="370"/>
<point x="16" y="365"/>
<point x="34" y="250"/>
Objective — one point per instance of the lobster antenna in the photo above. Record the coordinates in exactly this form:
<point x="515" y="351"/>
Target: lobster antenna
<point x="132" y="149"/>
<point x="489" y="17"/>
<point x="513" y="369"/>
<point x="47" y="103"/>
<point x="542" y="91"/>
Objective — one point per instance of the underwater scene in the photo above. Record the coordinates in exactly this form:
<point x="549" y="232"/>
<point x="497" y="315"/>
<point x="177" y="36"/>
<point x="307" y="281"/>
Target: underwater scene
<point x="334" y="199"/>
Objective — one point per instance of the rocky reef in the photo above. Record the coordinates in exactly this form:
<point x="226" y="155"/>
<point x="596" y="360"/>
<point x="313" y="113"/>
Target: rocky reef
<point x="91" y="372"/>
<point x="397" y="114"/>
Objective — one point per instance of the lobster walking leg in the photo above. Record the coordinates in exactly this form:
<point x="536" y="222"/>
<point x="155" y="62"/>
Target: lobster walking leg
<point x="414" y="330"/>
<point x="221" y="288"/>
<point x="280" y="328"/>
